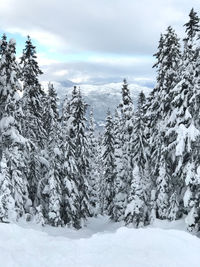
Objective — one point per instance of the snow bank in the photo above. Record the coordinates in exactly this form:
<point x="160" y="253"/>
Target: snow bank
<point x="111" y="246"/>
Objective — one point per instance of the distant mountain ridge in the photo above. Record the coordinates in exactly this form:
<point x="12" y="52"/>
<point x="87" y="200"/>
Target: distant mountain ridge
<point x="99" y="97"/>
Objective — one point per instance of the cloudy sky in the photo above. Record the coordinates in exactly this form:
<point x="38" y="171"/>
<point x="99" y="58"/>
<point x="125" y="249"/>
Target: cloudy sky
<point x="94" y="41"/>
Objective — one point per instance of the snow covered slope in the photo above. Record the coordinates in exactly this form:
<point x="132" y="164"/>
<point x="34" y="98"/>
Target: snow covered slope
<point x="101" y="244"/>
<point x="100" y="97"/>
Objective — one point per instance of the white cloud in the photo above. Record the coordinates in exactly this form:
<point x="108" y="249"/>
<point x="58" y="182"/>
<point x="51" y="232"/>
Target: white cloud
<point x="61" y="73"/>
<point x="6" y="4"/>
<point x="43" y="60"/>
<point x="120" y="60"/>
<point x="95" y="72"/>
<point x="53" y="42"/>
<point x="81" y="79"/>
<point x="120" y="26"/>
<point x="127" y="29"/>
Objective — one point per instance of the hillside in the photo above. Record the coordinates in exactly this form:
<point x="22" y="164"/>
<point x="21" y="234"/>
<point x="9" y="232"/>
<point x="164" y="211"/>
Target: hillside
<point x="100" y="97"/>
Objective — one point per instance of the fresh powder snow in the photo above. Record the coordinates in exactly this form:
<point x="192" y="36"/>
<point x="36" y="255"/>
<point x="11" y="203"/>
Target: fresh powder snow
<point x="101" y="243"/>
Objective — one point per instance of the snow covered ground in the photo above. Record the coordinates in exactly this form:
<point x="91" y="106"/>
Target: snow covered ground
<point x="101" y="244"/>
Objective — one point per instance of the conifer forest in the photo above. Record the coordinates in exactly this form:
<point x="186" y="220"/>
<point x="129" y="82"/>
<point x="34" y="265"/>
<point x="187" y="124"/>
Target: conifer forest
<point x="57" y="169"/>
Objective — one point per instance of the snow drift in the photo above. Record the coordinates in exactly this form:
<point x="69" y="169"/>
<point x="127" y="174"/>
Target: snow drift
<point x="102" y="243"/>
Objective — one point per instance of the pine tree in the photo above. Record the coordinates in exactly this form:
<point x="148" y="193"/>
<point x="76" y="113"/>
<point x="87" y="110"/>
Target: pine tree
<point x="7" y="202"/>
<point x="69" y="170"/>
<point x="192" y="29"/>
<point x="184" y="127"/>
<point x="76" y="164"/>
<point x="109" y="166"/>
<point x="173" y="211"/>
<point x="9" y="72"/>
<point x="127" y="108"/>
<point x="192" y="26"/>
<point x="54" y="159"/>
<point x="101" y="184"/>
<point x="136" y="210"/>
<point x="192" y="194"/>
<point x="33" y="96"/>
<point x="3" y="44"/>
<point x="51" y="109"/>
<point x="183" y="132"/>
<point x="120" y="182"/>
<point x="139" y="139"/>
<point x="124" y="159"/>
<point x="159" y="111"/>
<point x="14" y="187"/>
<point x="94" y="176"/>
<point x="33" y="127"/>
<point x="162" y="190"/>
<point x="137" y="204"/>
<point x="78" y="134"/>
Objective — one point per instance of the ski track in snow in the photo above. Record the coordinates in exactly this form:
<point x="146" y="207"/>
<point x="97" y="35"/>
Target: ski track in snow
<point x="100" y="244"/>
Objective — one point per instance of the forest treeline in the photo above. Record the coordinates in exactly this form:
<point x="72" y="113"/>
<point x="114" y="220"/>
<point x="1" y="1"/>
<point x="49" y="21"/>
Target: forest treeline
<point x="56" y="169"/>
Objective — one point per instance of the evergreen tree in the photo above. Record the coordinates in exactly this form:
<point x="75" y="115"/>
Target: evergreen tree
<point x="51" y="110"/>
<point x="183" y="132"/>
<point x="109" y="166"/>
<point x="33" y="101"/>
<point x="139" y="139"/>
<point x="69" y="209"/>
<point x="137" y="204"/>
<point x="127" y="109"/>
<point x="33" y="96"/>
<point x="77" y="164"/>
<point x="173" y="211"/>
<point x="192" y="29"/>
<point x="14" y="187"/>
<point x="136" y="210"/>
<point x="3" y="44"/>
<point x="93" y="166"/>
<point x="162" y="190"/>
<point x="184" y="127"/>
<point x="192" y="26"/>
<point x="124" y="159"/>
<point x="120" y="182"/>
<point x="101" y="184"/>
<point x="54" y="158"/>
<point x="78" y="134"/>
<point x="7" y="202"/>
<point x="192" y="194"/>
<point x="159" y="111"/>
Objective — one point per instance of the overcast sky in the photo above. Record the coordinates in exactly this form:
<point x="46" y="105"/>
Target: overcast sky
<point x="94" y="41"/>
